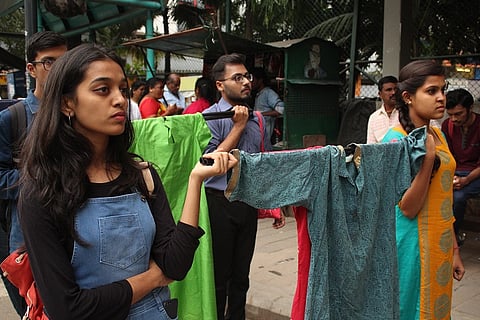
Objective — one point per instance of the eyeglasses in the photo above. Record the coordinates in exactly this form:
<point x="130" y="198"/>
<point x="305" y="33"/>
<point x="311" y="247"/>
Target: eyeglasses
<point x="47" y="63"/>
<point x="239" y="77"/>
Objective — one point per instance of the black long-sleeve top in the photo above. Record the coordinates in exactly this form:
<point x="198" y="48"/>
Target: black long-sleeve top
<point x="50" y="249"/>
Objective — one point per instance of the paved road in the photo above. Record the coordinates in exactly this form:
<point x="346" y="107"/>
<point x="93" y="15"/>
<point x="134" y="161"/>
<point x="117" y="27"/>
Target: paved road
<point x="274" y="266"/>
<point x="6" y="310"/>
<point x="273" y="277"/>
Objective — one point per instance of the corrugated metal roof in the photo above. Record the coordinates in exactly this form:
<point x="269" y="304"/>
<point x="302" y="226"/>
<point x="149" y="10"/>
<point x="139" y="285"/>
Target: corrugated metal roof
<point x="286" y="43"/>
<point x="9" y="6"/>
<point x="181" y="65"/>
<point x="201" y="43"/>
<point x="9" y="60"/>
<point x="99" y="14"/>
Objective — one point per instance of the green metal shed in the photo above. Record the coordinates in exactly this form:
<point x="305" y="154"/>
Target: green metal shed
<point x="311" y="90"/>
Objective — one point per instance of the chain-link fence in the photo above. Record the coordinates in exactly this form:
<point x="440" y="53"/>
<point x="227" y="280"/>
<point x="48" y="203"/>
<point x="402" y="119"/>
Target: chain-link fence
<point x="449" y="32"/>
<point x="444" y="30"/>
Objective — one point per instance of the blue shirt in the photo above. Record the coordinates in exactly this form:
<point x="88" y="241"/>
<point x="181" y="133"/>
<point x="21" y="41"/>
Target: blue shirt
<point x="268" y="100"/>
<point x="249" y="142"/>
<point x="178" y="99"/>
<point x="8" y="172"/>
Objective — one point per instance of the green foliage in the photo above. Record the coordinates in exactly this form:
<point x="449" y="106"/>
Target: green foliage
<point x="109" y="37"/>
<point x="337" y="29"/>
<point x="440" y="27"/>
<point x="446" y="27"/>
<point x="13" y="23"/>
<point x="136" y="68"/>
<point x="190" y="17"/>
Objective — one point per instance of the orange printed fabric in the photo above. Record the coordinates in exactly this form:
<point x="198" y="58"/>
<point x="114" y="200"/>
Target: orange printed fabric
<point x="435" y="233"/>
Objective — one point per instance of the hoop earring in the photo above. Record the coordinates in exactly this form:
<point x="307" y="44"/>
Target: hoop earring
<point x="70" y="119"/>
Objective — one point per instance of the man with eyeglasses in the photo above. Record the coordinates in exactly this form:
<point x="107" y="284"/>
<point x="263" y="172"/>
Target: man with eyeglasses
<point x="43" y="48"/>
<point x="233" y="224"/>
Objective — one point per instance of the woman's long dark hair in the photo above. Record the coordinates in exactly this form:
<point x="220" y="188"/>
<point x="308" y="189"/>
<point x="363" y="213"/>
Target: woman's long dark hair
<point x="55" y="156"/>
<point x="206" y="89"/>
<point x="412" y="77"/>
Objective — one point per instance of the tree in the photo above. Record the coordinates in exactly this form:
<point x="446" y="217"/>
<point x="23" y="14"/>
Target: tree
<point x="12" y="36"/>
<point x="189" y="16"/>
<point x="442" y="27"/>
<point x="446" y="27"/>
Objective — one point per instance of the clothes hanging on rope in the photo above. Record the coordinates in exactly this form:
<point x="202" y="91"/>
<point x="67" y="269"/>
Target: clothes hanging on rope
<point x="351" y="218"/>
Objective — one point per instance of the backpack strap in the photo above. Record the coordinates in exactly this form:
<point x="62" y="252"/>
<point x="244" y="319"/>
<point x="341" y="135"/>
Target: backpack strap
<point x="260" y="124"/>
<point x="147" y="176"/>
<point x="18" y="128"/>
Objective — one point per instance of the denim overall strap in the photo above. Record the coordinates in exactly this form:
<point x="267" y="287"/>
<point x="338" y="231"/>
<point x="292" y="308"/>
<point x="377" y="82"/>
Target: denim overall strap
<point x="119" y="232"/>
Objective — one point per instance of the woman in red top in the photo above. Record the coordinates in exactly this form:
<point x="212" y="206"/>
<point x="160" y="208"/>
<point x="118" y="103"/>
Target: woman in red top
<point x="205" y="94"/>
<point x="150" y="106"/>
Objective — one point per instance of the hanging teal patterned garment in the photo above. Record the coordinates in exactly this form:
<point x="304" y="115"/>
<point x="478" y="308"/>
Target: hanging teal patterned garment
<point x="351" y="218"/>
<point x="174" y="144"/>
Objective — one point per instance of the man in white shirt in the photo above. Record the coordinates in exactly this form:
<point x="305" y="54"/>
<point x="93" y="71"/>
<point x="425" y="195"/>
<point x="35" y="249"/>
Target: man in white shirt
<point x="172" y="94"/>
<point x="387" y="116"/>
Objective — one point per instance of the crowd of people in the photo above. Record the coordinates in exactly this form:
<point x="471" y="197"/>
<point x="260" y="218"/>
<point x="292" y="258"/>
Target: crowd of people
<point x="159" y="97"/>
<point x="83" y="130"/>
<point x="97" y="224"/>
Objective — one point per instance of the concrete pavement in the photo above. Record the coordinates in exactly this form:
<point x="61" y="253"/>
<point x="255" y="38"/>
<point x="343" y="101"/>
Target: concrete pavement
<point x="6" y="309"/>
<point x="274" y="273"/>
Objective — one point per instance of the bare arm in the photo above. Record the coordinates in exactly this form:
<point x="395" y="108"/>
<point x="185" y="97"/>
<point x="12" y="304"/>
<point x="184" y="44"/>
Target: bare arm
<point x="458" y="268"/>
<point x="154" y="277"/>
<point x="460" y="182"/>
<point x="223" y="161"/>
<point x="414" y="198"/>
<point x="240" y="119"/>
<point x="271" y="113"/>
<point x="171" y="110"/>
<point x="143" y="283"/>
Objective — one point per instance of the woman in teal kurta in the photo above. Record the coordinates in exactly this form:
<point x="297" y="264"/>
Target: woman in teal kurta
<point x="426" y="247"/>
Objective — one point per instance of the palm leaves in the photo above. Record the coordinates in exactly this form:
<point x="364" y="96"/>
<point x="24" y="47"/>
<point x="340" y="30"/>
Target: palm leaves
<point x="337" y="29"/>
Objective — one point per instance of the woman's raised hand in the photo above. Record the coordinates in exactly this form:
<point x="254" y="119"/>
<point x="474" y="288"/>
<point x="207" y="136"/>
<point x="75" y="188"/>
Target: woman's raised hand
<point x="222" y="162"/>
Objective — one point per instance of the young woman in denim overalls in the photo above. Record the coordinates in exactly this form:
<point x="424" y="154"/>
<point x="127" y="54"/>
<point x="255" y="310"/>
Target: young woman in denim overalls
<point x="97" y="224"/>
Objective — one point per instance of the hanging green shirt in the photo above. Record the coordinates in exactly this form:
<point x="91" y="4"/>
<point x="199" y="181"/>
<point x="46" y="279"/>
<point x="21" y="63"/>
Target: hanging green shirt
<point x="174" y="144"/>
